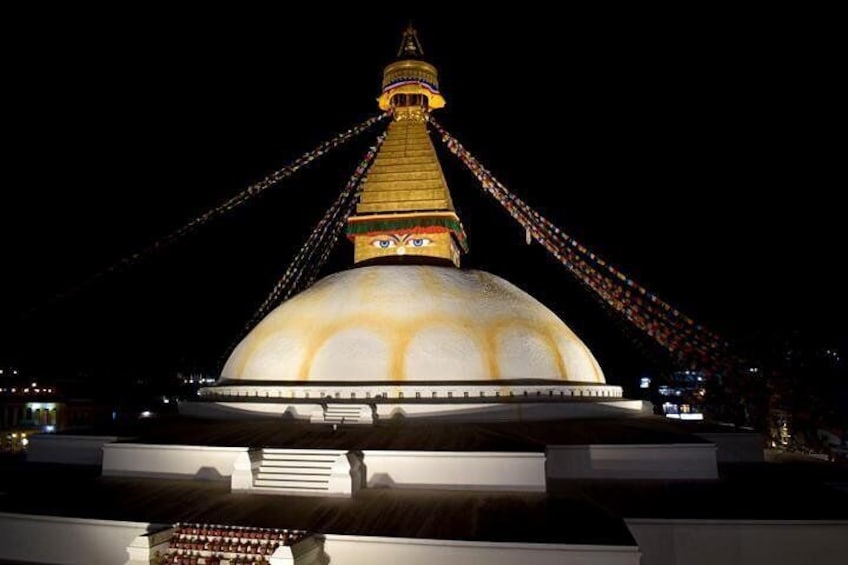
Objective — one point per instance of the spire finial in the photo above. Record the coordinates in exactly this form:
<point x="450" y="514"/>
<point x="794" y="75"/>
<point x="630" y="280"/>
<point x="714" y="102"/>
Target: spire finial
<point x="410" y="46"/>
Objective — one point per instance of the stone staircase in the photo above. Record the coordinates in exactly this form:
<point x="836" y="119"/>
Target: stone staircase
<point x="309" y="472"/>
<point x="347" y="414"/>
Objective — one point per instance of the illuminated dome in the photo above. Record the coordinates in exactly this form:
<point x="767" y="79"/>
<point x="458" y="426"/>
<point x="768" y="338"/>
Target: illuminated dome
<point x="411" y="323"/>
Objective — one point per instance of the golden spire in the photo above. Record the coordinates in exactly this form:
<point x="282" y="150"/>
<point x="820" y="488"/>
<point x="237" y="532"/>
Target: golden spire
<point x="405" y="208"/>
<point x="410" y="47"/>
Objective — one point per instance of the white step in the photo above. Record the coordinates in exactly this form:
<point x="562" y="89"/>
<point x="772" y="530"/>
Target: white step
<point x="265" y="472"/>
<point x="283" y="464"/>
<point x="326" y="472"/>
<point x="292" y="460"/>
<point x="293" y="491"/>
<point x="300" y="453"/>
<point x="343" y="414"/>
<point x="308" y="485"/>
<point x="327" y="457"/>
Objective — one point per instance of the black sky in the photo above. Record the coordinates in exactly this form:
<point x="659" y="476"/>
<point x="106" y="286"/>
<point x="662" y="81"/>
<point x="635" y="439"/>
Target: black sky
<point x="698" y="151"/>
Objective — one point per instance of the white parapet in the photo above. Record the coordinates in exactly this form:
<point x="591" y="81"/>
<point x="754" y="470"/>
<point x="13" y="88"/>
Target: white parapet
<point x="170" y="461"/>
<point x="651" y="461"/>
<point x="61" y="540"/>
<point x="148" y="548"/>
<point x="305" y="552"/>
<point x="266" y="395"/>
<point x="243" y="469"/>
<point x="364" y="550"/>
<point x="455" y="470"/>
<point x="510" y="411"/>
<point x="252" y="409"/>
<point x="362" y="403"/>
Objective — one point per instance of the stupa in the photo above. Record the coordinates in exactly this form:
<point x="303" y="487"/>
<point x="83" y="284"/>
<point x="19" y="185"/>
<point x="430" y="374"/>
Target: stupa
<point x="406" y="331"/>
<point x="409" y="343"/>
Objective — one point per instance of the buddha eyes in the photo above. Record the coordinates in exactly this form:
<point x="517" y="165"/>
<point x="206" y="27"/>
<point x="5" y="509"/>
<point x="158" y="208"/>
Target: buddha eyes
<point x="410" y="242"/>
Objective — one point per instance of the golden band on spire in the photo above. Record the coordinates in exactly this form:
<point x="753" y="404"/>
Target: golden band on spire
<point x="410" y="81"/>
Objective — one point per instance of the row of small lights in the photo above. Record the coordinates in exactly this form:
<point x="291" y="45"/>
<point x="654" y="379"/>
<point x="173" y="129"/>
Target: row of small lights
<point x="33" y="387"/>
<point x="200" y="381"/>
<point x="24" y="440"/>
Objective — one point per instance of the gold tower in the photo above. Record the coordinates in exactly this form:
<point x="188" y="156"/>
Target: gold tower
<point x="405" y="208"/>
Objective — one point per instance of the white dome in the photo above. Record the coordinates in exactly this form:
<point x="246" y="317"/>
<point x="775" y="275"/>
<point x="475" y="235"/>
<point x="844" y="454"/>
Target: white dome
<point x="411" y="323"/>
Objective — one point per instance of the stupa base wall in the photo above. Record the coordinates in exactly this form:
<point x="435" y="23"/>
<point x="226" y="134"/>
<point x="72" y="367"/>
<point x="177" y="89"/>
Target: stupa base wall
<point x="448" y="412"/>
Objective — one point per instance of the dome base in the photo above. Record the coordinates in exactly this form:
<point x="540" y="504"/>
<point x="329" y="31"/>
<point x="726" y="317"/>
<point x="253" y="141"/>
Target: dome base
<point x="467" y="401"/>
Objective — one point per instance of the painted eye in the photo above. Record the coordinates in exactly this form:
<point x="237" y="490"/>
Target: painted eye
<point x="419" y="242"/>
<point x="383" y="243"/>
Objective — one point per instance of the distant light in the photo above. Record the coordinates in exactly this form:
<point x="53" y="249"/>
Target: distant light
<point x="690" y="416"/>
<point x="14" y="390"/>
<point x="166" y="400"/>
<point x="26" y="390"/>
<point x="1" y="371"/>
<point x="15" y="435"/>
<point x="25" y="442"/>
<point x="14" y="371"/>
<point x="645" y="382"/>
<point x="49" y="429"/>
<point x="34" y="384"/>
<point x="146" y="414"/>
<point x="41" y="405"/>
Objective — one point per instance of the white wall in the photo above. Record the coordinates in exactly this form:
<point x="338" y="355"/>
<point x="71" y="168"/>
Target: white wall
<point x="68" y="449"/>
<point x="48" y="539"/>
<point x="241" y="410"/>
<point x="512" y="411"/>
<point x="455" y="470"/>
<point x="742" y="542"/>
<point x="448" y="411"/>
<point x="169" y="461"/>
<point x="673" y="461"/>
<point x="361" y="550"/>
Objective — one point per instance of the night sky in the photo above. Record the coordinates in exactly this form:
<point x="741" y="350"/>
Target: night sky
<point x="696" y="151"/>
